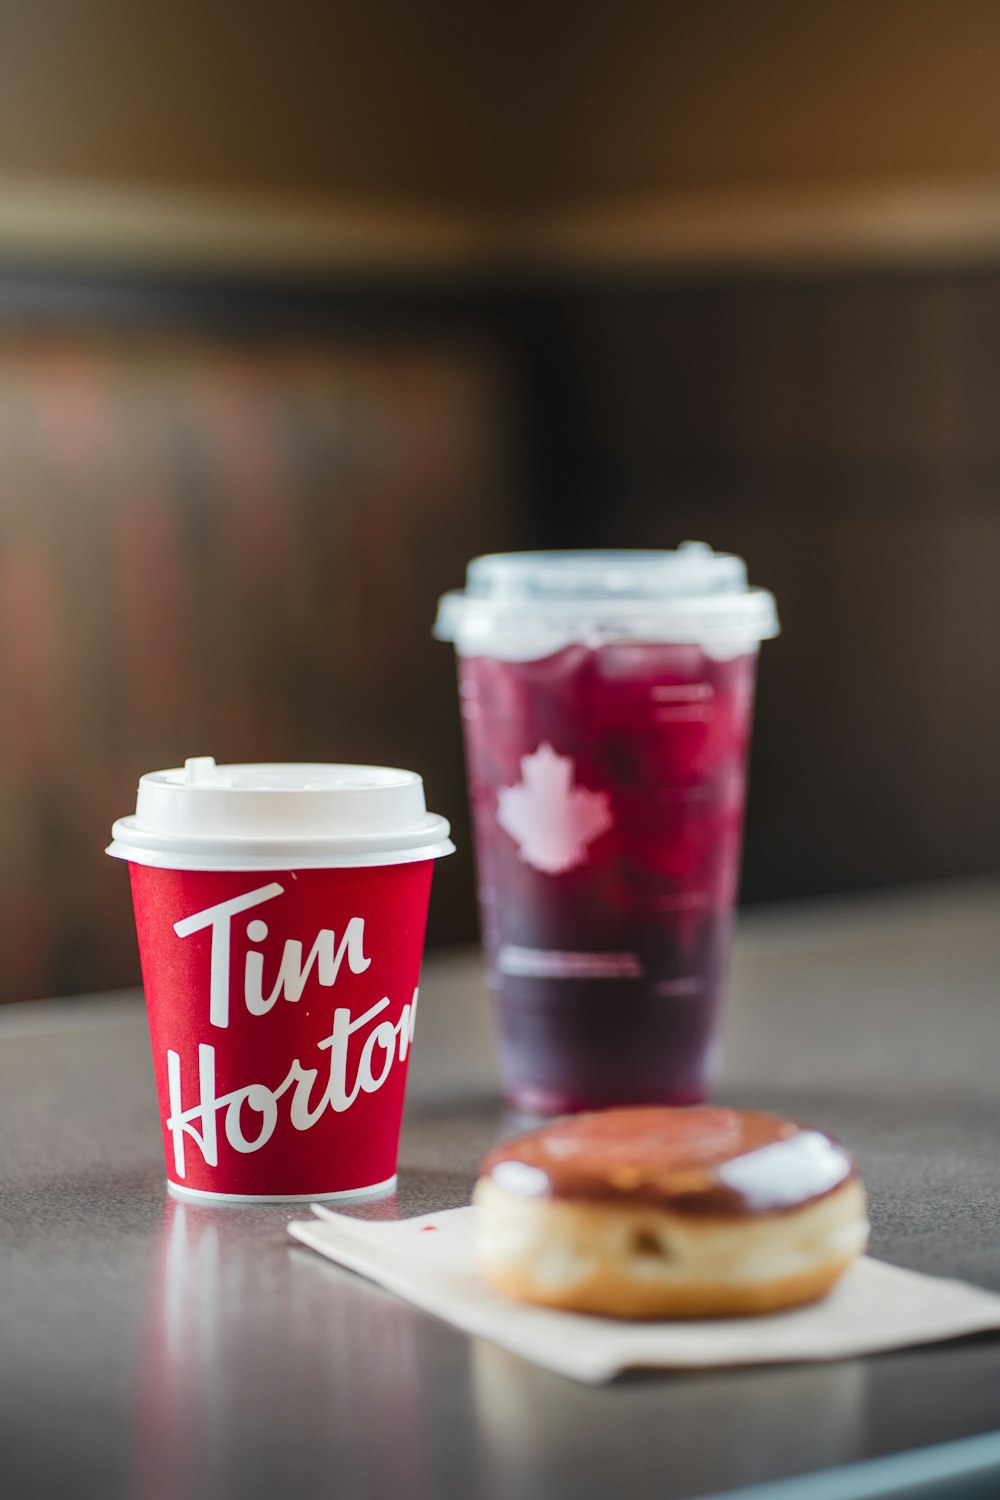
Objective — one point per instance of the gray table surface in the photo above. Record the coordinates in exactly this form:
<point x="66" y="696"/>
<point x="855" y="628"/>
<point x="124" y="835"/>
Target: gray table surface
<point x="160" y="1350"/>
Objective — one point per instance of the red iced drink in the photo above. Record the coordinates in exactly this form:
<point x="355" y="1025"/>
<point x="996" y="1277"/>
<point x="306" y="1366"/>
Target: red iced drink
<point x="607" y="783"/>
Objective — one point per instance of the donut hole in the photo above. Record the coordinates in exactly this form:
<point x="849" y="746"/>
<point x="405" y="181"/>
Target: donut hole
<point x="645" y="1243"/>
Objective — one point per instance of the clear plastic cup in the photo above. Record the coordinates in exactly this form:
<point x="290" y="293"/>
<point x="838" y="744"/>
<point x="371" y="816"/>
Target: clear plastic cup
<point x="607" y="701"/>
<point x="280" y="912"/>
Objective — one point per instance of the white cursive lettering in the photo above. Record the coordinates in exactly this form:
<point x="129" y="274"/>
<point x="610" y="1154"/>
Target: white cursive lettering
<point x="292" y="971"/>
<point x="199" y="1121"/>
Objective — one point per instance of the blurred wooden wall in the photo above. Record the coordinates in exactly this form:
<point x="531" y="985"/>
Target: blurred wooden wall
<point x="222" y="538"/>
<point x="590" y="274"/>
<point x="842" y="432"/>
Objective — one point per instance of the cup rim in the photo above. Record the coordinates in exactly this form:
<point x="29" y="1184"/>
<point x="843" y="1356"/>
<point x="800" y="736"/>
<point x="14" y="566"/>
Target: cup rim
<point x="140" y="846"/>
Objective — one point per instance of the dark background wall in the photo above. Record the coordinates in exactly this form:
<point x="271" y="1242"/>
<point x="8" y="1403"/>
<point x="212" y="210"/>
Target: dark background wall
<point x="841" y="432"/>
<point x="302" y="306"/>
<point x="227" y="513"/>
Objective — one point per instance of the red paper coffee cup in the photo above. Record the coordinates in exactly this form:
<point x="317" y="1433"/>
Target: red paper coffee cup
<point x="280" y="913"/>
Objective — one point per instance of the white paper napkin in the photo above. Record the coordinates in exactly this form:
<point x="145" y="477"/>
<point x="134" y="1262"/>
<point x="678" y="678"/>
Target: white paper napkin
<point x="429" y="1261"/>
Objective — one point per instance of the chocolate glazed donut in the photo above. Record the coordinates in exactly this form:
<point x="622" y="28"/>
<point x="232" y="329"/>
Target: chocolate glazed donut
<point x="656" y="1212"/>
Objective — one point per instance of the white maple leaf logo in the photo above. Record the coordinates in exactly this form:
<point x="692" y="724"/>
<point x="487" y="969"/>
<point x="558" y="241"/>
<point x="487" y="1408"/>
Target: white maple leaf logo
<point x="552" y="821"/>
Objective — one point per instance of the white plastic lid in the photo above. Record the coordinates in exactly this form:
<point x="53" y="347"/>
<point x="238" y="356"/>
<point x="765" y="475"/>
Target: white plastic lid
<point x="522" y="605"/>
<point x="202" y="816"/>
